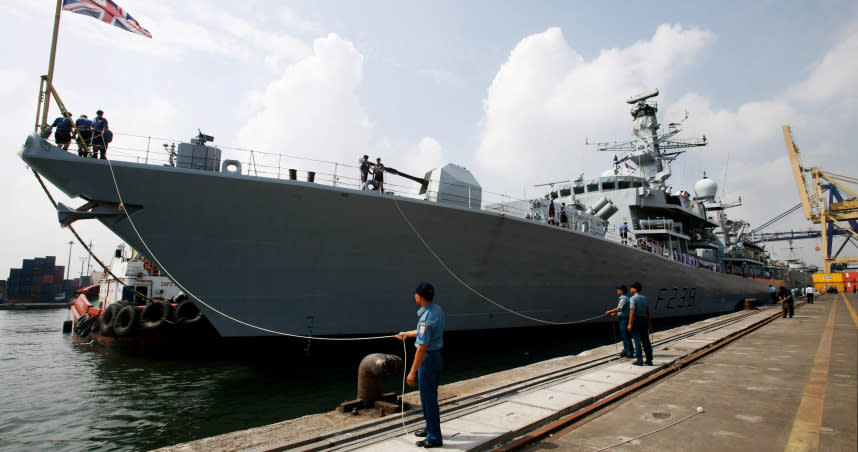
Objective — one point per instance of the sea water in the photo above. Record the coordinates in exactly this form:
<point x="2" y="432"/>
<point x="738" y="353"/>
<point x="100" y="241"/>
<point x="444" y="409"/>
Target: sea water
<point x="58" y="392"/>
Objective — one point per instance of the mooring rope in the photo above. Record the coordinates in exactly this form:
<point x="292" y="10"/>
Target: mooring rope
<point x="467" y="286"/>
<point x="85" y="246"/>
<point x="196" y="298"/>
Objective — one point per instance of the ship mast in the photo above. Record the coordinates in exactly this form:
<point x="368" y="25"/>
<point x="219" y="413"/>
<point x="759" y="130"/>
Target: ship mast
<point x="650" y="150"/>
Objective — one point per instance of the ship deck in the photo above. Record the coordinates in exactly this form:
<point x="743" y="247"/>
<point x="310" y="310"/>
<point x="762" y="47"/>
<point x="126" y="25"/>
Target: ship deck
<point x="763" y="383"/>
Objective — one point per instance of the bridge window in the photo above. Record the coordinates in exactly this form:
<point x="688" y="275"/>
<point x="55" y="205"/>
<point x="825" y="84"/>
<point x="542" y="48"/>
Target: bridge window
<point x="592" y="187"/>
<point x="623" y="184"/>
<point x="579" y="189"/>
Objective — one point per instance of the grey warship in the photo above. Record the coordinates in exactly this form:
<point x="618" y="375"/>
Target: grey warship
<point x="263" y="256"/>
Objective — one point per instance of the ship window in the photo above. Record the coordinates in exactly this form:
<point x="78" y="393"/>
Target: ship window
<point x="565" y="192"/>
<point x="554" y="194"/>
<point x="579" y="189"/>
<point x="608" y="185"/>
<point x="623" y="184"/>
<point x="127" y="293"/>
<point x="637" y="184"/>
<point x="138" y="300"/>
<point x="592" y="187"/>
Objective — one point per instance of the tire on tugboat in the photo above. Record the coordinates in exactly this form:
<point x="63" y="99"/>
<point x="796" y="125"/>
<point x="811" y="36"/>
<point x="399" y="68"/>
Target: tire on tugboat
<point x="187" y="313"/>
<point x="107" y="317"/>
<point x="157" y="315"/>
<point x="125" y="322"/>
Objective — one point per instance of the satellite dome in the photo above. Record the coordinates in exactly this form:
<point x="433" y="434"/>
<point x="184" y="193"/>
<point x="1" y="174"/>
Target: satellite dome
<point x="608" y="173"/>
<point x="705" y="189"/>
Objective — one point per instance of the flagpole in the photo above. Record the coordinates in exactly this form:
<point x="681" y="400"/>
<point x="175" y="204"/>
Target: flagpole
<point x="50" y="78"/>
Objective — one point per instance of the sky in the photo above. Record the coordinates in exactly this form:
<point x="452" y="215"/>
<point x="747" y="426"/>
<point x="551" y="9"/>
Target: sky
<point x="512" y="90"/>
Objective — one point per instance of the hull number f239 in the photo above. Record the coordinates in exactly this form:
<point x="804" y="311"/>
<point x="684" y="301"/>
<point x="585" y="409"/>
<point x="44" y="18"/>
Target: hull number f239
<point x="676" y="298"/>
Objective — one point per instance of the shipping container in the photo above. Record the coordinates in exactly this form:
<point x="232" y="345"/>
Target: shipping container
<point x="47" y="279"/>
<point x="51" y="260"/>
<point x="850" y="276"/>
<point x="827" y="278"/>
<point x="27" y="265"/>
<point x="49" y="269"/>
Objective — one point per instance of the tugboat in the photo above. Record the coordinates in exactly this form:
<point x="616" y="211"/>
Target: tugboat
<point x="140" y="307"/>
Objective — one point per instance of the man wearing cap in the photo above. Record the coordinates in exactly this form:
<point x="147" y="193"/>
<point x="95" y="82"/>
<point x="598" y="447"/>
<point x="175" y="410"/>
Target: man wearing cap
<point x="84" y="135"/>
<point x="378" y="174"/>
<point x="624" y="233"/>
<point x="622" y="314"/>
<point x="639" y="324"/>
<point x="64" y="128"/>
<point x="427" y="361"/>
<point x="364" y="171"/>
<point x="99" y="124"/>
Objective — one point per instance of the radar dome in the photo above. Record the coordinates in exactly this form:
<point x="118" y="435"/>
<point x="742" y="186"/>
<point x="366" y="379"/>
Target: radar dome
<point x="608" y="173"/>
<point x="705" y="189"/>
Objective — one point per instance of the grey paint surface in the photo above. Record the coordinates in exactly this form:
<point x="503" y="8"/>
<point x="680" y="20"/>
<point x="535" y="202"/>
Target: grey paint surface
<point x="304" y="258"/>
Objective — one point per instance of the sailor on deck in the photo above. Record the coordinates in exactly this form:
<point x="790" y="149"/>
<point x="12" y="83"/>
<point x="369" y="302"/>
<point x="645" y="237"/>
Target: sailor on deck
<point x="63" y="133"/>
<point x="84" y="135"/>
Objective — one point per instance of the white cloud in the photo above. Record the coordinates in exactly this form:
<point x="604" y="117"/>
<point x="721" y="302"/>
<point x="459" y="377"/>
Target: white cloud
<point x="313" y="109"/>
<point x="300" y="24"/>
<point x="546" y="99"/>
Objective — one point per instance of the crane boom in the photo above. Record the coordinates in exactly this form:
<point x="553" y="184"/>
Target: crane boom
<point x="800" y="182"/>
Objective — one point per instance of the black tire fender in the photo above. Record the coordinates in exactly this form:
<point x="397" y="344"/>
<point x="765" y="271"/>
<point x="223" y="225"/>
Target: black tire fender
<point x="126" y="321"/>
<point x="187" y="312"/>
<point x="107" y="317"/>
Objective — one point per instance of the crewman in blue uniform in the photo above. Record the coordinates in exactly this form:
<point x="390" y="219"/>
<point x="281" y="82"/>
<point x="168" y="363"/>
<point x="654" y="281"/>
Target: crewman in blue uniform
<point x="621" y="312"/>
<point x="63" y="133"/>
<point x="364" y="171"/>
<point x="426" y="368"/>
<point x="640" y="323"/>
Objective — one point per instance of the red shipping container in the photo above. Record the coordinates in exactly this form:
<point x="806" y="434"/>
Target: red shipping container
<point x="850" y="276"/>
<point x="47" y="279"/>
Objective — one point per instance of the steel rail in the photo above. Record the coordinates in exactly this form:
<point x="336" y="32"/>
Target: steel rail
<point x="388" y="427"/>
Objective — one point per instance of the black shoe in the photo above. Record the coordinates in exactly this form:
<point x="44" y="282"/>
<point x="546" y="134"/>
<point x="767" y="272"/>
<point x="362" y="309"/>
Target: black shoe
<point x="422" y="433"/>
<point x="648" y="363"/>
<point x="623" y="355"/>
<point x="637" y="364"/>
<point x="424" y="443"/>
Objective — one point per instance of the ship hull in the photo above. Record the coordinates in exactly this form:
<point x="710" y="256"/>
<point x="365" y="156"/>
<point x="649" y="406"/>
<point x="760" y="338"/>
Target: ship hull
<point x="270" y="256"/>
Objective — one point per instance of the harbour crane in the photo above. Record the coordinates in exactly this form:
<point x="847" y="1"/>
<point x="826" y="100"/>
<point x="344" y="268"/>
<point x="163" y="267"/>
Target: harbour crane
<point x="834" y="212"/>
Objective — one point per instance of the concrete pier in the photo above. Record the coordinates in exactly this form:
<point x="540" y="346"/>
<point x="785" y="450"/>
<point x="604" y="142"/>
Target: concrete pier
<point x="790" y="386"/>
<point x="787" y="384"/>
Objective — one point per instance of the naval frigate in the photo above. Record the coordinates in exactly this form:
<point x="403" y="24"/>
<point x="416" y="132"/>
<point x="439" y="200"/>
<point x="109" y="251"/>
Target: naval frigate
<point x="267" y="255"/>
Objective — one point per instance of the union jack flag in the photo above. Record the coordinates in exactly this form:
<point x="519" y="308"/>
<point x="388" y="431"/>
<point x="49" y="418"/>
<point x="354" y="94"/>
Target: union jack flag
<point x="108" y="12"/>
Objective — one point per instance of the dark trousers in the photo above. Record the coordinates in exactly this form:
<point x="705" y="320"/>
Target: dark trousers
<point x="626" y="336"/>
<point x="810" y="298"/>
<point x="774" y="297"/>
<point x="788" y="307"/>
<point x="428" y="376"/>
<point x="640" y="333"/>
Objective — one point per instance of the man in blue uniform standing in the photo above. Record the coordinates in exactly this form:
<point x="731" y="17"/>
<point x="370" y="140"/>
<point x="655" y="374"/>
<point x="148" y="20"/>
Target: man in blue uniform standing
<point x="364" y="171"/>
<point x="63" y="133"/>
<point x="639" y="324"/>
<point x="99" y="124"/>
<point x="426" y="368"/>
<point x="622" y="314"/>
<point x="84" y="132"/>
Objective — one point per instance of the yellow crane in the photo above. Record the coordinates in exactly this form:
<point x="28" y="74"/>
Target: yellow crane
<point x="839" y="212"/>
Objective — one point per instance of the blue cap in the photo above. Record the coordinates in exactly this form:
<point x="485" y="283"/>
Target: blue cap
<point x="425" y="290"/>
